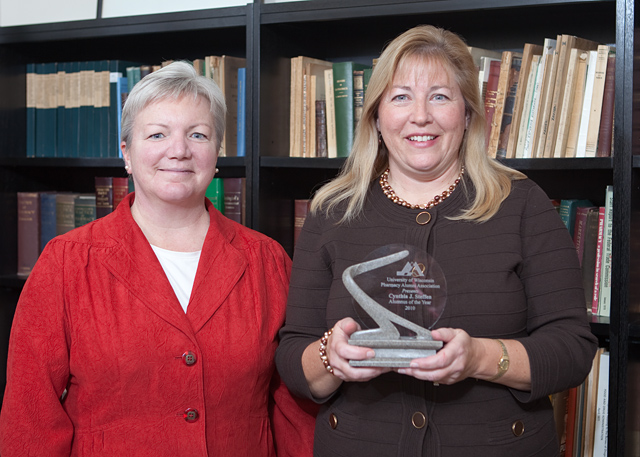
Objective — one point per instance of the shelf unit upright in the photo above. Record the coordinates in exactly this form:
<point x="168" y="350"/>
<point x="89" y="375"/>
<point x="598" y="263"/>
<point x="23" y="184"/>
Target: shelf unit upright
<point x="269" y="35"/>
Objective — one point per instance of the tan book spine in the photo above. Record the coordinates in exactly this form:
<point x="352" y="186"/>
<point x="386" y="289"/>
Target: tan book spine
<point x="526" y="108"/>
<point x="527" y="56"/>
<point x="596" y="101"/>
<point x="567" y="105"/>
<point x="332" y="146"/>
<point x="576" y="110"/>
<point x="501" y="93"/>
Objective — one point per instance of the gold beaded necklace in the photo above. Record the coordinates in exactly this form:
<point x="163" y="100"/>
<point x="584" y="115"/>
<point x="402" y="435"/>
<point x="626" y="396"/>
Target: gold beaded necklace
<point x="424" y="217"/>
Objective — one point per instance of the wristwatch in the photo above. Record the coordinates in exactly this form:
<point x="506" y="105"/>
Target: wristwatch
<point x="503" y="363"/>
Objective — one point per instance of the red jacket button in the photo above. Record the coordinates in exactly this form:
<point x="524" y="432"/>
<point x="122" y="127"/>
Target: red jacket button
<point x="191" y="415"/>
<point x="189" y="358"/>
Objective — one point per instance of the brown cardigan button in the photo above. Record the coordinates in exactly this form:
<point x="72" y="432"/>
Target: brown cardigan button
<point x="333" y="421"/>
<point x="517" y="428"/>
<point x="418" y="420"/>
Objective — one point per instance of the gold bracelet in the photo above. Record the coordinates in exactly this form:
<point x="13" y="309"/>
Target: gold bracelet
<point x="323" y="350"/>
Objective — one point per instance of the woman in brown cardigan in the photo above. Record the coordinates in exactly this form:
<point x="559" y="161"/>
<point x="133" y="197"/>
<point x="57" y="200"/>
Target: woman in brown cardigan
<point x="514" y="329"/>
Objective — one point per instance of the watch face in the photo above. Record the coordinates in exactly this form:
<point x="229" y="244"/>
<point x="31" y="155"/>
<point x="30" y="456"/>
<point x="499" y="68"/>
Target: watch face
<point x="504" y="364"/>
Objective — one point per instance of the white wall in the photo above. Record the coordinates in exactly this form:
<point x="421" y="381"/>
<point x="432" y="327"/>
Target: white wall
<point x="24" y="12"/>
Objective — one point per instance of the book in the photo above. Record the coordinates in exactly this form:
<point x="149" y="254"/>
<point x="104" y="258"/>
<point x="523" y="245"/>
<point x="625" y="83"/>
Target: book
<point x="571" y="421"/>
<point x="47" y="218"/>
<point x="72" y="110"/>
<point x="578" y="101"/>
<point x="529" y="51"/>
<point x="559" y="402"/>
<point x="505" y="82"/>
<point x="507" y="108"/>
<point x="300" y="212"/>
<point x="565" y="45"/>
<point x="31" y="106"/>
<point x="580" y="228"/>
<point x="605" y="133"/>
<point x="596" y="101"/>
<point x="224" y="71"/>
<point x="563" y="123"/>
<point x="65" y="212"/>
<point x="101" y="102"/>
<point x="604" y="296"/>
<point x="215" y="193"/>
<point x="241" y="131"/>
<point x="589" y="255"/>
<point x="60" y="108"/>
<point x="343" y="104"/>
<point x="84" y="209"/>
<point x="86" y="110"/>
<point x="581" y="144"/>
<point x="234" y="199"/>
<point x="484" y="72"/>
<point x="551" y="59"/>
<point x="120" y="189"/>
<point x="568" y="209"/>
<point x="330" y="111"/>
<point x="28" y="231"/>
<point x="358" y="96"/>
<point x="598" y="262"/>
<point x="321" y="128"/>
<point x="104" y="195"/>
<point x="491" y="93"/>
<point x="600" y="437"/>
<point x="46" y="110"/>
<point x="526" y="108"/>
<point x="590" y="399"/>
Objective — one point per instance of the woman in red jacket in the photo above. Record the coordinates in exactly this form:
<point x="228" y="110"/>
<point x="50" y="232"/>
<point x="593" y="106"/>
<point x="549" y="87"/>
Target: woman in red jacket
<point x="152" y="330"/>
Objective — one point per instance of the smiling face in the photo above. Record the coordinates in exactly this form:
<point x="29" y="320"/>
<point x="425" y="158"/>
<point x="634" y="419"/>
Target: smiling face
<point x="172" y="153"/>
<point x="422" y="119"/>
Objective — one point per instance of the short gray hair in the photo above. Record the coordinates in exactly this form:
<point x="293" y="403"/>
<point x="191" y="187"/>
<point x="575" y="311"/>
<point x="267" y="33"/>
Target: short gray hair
<point x="176" y="80"/>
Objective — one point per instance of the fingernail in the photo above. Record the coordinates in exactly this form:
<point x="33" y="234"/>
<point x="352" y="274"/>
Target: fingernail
<point x="371" y="354"/>
<point x="413" y="365"/>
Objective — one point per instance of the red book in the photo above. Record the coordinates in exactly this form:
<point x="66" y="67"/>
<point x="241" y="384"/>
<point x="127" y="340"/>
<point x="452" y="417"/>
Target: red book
<point x="28" y="231"/>
<point x="120" y="190"/>
<point x="598" y="265"/>
<point x="580" y="227"/>
<point x="605" y="134"/>
<point x="490" y="97"/>
<point x="571" y="421"/>
<point x="301" y="209"/>
<point x="234" y="200"/>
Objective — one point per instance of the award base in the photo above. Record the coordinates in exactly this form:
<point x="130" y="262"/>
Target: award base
<point x="394" y="353"/>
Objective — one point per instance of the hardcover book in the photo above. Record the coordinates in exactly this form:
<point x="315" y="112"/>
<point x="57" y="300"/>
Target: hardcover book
<point x="605" y="134"/>
<point x="84" y="209"/>
<point x="104" y="195"/>
<point x="234" y="199"/>
<point x="343" y="103"/>
<point x="47" y="218"/>
<point x="28" y="231"/>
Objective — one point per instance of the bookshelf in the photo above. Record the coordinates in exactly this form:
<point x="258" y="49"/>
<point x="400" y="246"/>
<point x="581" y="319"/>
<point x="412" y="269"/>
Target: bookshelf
<point x="269" y="35"/>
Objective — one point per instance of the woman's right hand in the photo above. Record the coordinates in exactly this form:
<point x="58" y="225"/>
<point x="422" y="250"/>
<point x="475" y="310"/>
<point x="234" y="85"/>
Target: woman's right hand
<point x="339" y="352"/>
<point x="323" y="383"/>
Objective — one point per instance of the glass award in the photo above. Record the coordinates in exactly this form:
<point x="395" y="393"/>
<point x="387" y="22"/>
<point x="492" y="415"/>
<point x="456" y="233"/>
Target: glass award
<point x="400" y="293"/>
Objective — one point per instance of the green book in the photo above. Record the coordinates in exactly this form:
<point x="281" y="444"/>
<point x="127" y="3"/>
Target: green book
<point x="60" y="109"/>
<point x="84" y="209"/>
<point x="46" y="109"/>
<point x="31" y="109"/>
<point x="65" y="212"/>
<point x="86" y="132"/>
<point x="343" y="89"/>
<point x="215" y="193"/>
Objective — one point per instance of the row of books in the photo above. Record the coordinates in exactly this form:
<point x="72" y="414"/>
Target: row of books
<point x="582" y="412"/>
<point x="550" y="100"/>
<point x="45" y="215"/>
<point x="74" y="108"/>
<point x="228" y="196"/>
<point x="326" y="100"/>
<point x="592" y="228"/>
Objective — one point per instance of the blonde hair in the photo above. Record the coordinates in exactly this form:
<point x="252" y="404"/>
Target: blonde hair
<point x="369" y="158"/>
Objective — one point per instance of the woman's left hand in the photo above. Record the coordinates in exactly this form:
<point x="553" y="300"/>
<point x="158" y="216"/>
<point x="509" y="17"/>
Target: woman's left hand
<point x="456" y="361"/>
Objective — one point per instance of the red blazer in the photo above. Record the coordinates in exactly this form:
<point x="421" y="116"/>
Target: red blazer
<point x="99" y="325"/>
